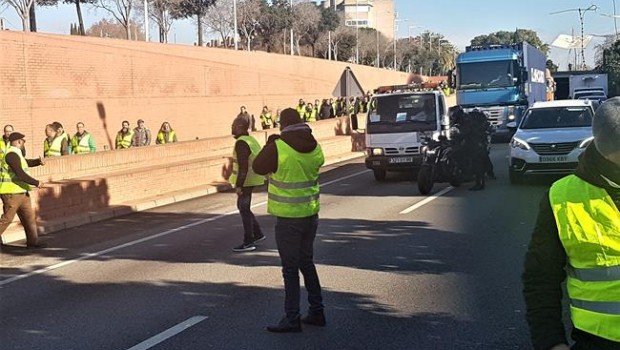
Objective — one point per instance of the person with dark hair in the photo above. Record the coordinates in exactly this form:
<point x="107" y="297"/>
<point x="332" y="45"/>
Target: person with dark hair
<point x="266" y="120"/>
<point x="4" y="140"/>
<point x="82" y="142"/>
<point x="243" y="113"/>
<point x="293" y="159"/>
<point x="124" y="137"/>
<point x="166" y="134"/>
<point x="244" y="179"/>
<point x="141" y="135"/>
<point x="15" y="186"/>
<point x="326" y="110"/>
<point x="577" y="238"/>
<point x="55" y="144"/>
<point x="60" y="130"/>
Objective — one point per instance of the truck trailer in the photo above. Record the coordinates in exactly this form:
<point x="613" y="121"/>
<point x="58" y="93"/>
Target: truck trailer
<point x="502" y="81"/>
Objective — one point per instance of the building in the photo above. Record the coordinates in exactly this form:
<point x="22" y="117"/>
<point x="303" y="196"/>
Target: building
<point x="375" y="14"/>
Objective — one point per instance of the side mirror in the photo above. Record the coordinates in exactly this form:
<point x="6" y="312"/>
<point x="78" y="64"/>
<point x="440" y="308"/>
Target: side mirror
<point x="511" y="125"/>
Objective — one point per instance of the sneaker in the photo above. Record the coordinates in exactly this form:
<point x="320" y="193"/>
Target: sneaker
<point x="244" y="248"/>
<point x="260" y="239"/>
<point x="286" y="325"/>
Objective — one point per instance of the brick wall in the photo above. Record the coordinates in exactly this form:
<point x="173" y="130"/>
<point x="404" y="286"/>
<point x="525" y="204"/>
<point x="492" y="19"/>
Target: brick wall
<point x="45" y="78"/>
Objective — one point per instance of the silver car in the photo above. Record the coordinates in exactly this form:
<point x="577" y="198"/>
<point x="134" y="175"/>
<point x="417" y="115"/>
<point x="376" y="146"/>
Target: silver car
<point x="550" y="138"/>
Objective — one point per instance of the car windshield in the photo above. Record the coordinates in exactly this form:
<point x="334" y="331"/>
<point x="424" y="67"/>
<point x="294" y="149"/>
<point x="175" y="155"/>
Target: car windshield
<point x="557" y="117"/>
<point x="418" y="108"/>
<point x="486" y="75"/>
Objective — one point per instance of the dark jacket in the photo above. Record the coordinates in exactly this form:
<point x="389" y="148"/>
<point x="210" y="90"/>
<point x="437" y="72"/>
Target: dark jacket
<point x="326" y="111"/>
<point x="298" y="136"/>
<point x="545" y="261"/>
<point x="243" y="159"/>
<point x="15" y="164"/>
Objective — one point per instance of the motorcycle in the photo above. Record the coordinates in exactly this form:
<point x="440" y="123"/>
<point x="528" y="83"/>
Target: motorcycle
<point x="439" y="164"/>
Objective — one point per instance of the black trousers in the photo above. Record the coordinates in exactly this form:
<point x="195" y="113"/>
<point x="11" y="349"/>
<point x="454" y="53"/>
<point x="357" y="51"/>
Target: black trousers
<point x="295" y="239"/>
<point x="251" y="228"/>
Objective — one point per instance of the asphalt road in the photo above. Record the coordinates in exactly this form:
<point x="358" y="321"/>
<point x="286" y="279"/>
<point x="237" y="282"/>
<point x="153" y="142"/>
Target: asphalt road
<point x="446" y="275"/>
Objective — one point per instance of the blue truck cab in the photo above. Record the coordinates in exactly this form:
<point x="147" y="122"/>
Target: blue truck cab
<point x="502" y="81"/>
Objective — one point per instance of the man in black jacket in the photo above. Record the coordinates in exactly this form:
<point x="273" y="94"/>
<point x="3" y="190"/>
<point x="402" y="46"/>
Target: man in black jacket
<point x="15" y="185"/>
<point x="557" y="244"/>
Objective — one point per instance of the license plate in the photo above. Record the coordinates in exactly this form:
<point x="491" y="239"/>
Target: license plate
<point x="401" y="160"/>
<point x="553" y="159"/>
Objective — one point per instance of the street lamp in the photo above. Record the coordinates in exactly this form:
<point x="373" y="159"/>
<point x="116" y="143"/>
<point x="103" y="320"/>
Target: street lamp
<point x="292" y="28"/>
<point x="357" y="33"/>
<point x="396" y="20"/>
<point x="235" y="29"/>
<point x="146" y="20"/>
<point x="582" y="13"/>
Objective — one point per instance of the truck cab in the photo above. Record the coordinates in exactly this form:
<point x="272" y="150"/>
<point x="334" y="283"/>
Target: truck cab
<point x="398" y="121"/>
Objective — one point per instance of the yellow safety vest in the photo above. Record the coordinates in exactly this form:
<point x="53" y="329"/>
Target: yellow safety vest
<point x="3" y="147"/>
<point x="310" y="116"/>
<point x="294" y="187"/>
<point x="266" y="119"/>
<point x="251" y="179"/>
<point x="124" y="141"/>
<point x="301" y="110"/>
<point x="80" y="145"/>
<point x="161" y="137"/>
<point x="8" y="180"/>
<point x="55" y="149"/>
<point x="588" y="223"/>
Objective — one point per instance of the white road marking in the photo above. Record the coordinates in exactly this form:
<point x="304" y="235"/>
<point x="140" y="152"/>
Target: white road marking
<point x="168" y="333"/>
<point x="145" y="239"/>
<point x="427" y="200"/>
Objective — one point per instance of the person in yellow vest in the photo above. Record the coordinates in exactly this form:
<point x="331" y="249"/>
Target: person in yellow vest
<point x="124" y="137"/>
<point x="310" y="113"/>
<point x="166" y="134"/>
<point x="60" y="131"/>
<point x="244" y="180"/>
<point x="293" y="159"/>
<point x="15" y="186"/>
<point x="4" y="140"/>
<point x="266" y="119"/>
<point x="577" y="239"/>
<point x="55" y="144"/>
<point x="82" y="142"/>
<point x="301" y="107"/>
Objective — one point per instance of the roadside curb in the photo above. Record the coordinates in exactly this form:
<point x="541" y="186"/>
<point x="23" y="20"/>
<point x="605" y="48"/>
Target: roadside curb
<point x="15" y="232"/>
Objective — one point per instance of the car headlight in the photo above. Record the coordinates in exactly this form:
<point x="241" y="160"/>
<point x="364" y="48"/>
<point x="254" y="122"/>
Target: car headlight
<point x="374" y="151"/>
<point x="518" y="143"/>
<point x="511" y="113"/>
<point x="585" y="143"/>
<point x="511" y="117"/>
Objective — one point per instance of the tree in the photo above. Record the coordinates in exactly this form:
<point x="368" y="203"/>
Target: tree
<point x="191" y="8"/>
<point x="274" y="19"/>
<point x="80" y="26"/>
<point x="248" y="18"/>
<point x="109" y="28"/>
<point x="160" y="11"/>
<point x="22" y="7"/>
<point x="120" y="10"/>
<point x="610" y="64"/>
<point x="219" y="19"/>
<point x="329" y="21"/>
<point x="506" y="37"/>
<point x="306" y="20"/>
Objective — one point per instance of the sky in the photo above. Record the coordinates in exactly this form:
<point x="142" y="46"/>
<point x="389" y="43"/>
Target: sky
<point x="458" y="20"/>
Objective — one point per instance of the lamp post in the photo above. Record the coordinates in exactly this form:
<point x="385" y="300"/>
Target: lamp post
<point x="396" y="20"/>
<point x="582" y="13"/>
<point x="357" y="33"/>
<point x="292" y="53"/>
<point x="235" y="26"/>
<point x="146" y="20"/>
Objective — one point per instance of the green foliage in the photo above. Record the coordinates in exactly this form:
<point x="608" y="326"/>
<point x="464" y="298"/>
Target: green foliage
<point x="611" y="65"/>
<point x="506" y="37"/>
<point x="329" y="20"/>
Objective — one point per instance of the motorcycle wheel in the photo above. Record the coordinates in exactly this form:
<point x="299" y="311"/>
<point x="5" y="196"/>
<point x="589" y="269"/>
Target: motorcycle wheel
<point x="425" y="180"/>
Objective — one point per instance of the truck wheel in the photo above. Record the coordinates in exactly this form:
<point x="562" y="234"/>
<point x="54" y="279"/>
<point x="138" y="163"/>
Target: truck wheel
<point x="379" y="174"/>
<point x="425" y="180"/>
<point x="515" y="178"/>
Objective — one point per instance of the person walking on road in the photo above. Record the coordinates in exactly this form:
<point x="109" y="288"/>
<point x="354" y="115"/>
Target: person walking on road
<point x="244" y="179"/>
<point x="15" y="186"/>
<point x="293" y="159"/>
<point x="577" y="239"/>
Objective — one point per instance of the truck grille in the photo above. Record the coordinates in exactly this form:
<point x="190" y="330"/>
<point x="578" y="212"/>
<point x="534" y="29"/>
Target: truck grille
<point x="408" y="150"/>
<point x="554" y="148"/>
<point x="494" y="115"/>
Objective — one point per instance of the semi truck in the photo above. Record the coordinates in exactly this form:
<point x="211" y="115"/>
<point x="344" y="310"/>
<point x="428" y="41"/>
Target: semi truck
<point x="502" y="81"/>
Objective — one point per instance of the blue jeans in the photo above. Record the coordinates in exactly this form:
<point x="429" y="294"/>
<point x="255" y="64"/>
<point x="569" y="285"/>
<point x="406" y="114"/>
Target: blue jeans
<point x="295" y="239"/>
<point x="251" y="228"/>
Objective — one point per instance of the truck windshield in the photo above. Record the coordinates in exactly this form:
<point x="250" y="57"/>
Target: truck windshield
<point x="557" y="117"/>
<point x="487" y="74"/>
<point x="403" y="108"/>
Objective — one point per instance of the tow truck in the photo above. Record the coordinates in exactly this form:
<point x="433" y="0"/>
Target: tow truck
<point x="399" y="119"/>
